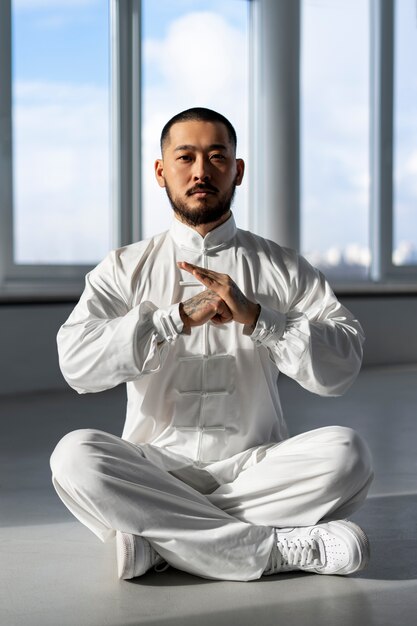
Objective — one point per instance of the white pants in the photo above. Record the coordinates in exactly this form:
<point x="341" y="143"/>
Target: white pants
<point x="215" y="521"/>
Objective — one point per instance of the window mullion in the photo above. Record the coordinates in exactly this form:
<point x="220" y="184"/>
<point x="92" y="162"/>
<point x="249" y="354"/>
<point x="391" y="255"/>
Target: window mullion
<point x="382" y="88"/>
<point x="6" y="161"/>
<point x="275" y="195"/>
<point x="126" y="119"/>
<point x="136" y="120"/>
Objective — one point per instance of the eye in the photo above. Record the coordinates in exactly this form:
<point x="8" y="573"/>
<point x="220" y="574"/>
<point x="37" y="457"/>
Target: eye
<point x="184" y="157"/>
<point x="218" y="157"/>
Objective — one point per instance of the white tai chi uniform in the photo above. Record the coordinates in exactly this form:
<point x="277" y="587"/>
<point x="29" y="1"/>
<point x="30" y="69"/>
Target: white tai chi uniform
<point x="204" y="467"/>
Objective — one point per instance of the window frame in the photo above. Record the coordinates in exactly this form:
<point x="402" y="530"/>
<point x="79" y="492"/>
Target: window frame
<point x="23" y="281"/>
<point x="126" y="57"/>
<point x="275" y="40"/>
<point x="381" y="137"/>
<point x="384" y="276"/>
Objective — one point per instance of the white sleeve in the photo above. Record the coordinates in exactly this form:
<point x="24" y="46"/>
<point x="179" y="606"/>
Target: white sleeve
<point x="106" y="342"/>
<point x="313" y="338"/>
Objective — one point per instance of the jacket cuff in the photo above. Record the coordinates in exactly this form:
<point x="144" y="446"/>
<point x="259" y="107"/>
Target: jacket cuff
<point x="269" y="328"/>
<point x="168" y="323"/>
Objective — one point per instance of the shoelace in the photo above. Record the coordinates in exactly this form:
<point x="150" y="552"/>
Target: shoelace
<point x="298" y="553"/>
<point x="294" y="554"/>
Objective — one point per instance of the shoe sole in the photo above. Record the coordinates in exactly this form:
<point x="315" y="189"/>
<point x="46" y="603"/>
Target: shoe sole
<point x="125" y="546"/>
<point x="362" y="541"/>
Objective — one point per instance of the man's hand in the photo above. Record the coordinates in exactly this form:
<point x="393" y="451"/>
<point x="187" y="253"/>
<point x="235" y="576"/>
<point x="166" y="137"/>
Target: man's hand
<point x="203" y="307"/>
<point x="240" y="308"/>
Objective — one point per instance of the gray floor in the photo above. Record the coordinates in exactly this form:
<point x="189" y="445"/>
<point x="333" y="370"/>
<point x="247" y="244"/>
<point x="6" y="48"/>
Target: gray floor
<point x="54" y="572"/>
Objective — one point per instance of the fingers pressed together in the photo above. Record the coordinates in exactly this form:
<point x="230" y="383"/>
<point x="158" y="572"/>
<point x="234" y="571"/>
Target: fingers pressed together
<point x="243" y="310"/>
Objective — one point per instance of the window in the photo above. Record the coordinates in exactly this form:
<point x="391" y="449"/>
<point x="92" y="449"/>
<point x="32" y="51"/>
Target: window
<point x="82" y="170"/>
<point x="358" y="138"/>
<point x="405" y="134"/>
<point x="55" y="219"/>
<point x="335" y="136"/>
<point x="61" y="123"/>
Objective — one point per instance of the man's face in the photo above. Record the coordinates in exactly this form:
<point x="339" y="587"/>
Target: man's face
<point x="199" y="171"/>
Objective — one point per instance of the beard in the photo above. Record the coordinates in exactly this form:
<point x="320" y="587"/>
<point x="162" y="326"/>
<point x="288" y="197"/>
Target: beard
<point x="204" y="213"/>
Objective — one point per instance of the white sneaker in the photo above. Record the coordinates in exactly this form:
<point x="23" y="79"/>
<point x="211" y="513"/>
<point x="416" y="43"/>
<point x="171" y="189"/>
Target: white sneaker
<point x="339" y="547"/>
<point x="135" y="555"/>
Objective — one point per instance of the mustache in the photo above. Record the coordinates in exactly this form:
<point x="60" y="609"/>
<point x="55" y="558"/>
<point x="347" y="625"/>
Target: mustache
<point x="202" y="187"/>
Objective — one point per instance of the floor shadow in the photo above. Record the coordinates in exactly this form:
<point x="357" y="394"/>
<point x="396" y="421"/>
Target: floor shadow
<point x="390" y="523"/>
<point x="170" y="578"/>
<point x="176" y="578"/>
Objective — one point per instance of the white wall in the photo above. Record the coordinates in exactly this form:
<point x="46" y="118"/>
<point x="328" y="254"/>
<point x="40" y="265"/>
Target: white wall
<point x="28" y="356"/>
<point x="390" y="327"/>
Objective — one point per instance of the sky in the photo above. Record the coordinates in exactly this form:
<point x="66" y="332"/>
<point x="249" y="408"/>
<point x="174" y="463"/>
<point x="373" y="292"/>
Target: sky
<point x="195" y="53"/>
<point x="61" y="137"/>
<point x="405" y="132"/>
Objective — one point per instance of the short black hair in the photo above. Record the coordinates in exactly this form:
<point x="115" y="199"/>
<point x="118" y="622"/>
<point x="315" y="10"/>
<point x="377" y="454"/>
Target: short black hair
<point x="199" y="114"/>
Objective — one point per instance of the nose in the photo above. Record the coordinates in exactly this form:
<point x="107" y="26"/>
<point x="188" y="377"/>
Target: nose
<point x="201" y="170"/>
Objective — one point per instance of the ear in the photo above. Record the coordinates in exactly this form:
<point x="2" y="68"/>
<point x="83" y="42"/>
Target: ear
<point x="159" y="172"/>
<point x="240" y="170"/>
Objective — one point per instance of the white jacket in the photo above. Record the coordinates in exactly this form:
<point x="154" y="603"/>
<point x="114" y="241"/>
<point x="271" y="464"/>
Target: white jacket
<point x="212" y="393"/>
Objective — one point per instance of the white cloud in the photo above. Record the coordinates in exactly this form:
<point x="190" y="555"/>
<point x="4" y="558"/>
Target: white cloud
<point x="405" y="182"/>
<point x="333" y="256"/>
<point x="201" y="55"/>
<point x="355" y="254"/>
<point x="350" y="260"/>
<point x="61" y="172"/>
<point x="411" y="165"/>
<point x="405" y="253"/>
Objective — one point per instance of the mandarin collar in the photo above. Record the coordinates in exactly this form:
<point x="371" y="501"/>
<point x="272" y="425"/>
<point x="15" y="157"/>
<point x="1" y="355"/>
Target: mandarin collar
<point x="188" y="238"/>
